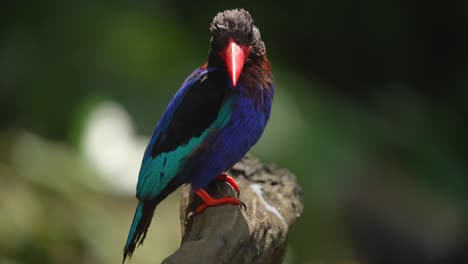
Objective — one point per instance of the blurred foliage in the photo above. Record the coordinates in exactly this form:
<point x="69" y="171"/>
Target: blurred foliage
<point x="370" y="114"/>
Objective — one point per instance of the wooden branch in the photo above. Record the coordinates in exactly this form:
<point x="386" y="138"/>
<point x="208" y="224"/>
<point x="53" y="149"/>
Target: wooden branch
<point x="231" y="234"/>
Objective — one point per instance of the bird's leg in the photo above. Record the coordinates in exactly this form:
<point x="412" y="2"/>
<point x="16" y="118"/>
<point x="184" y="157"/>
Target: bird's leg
<point x="209" y="201"/>
<point x="225" y="177"/>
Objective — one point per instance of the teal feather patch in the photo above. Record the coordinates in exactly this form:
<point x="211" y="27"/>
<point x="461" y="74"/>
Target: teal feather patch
<point x="136" y="220"/>
<point x="156" y="173"/>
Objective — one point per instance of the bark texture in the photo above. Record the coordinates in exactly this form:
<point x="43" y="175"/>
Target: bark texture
<point x="232" y="234"/>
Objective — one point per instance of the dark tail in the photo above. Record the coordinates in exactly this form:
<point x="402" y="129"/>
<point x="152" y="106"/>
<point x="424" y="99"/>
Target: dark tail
<point x="140" y="224"/>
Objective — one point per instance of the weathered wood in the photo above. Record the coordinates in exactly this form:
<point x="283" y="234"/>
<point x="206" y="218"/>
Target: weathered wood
<point x="230" y="234"/>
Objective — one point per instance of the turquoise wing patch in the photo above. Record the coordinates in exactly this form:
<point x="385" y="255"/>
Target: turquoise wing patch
<point x="157" y="172"/>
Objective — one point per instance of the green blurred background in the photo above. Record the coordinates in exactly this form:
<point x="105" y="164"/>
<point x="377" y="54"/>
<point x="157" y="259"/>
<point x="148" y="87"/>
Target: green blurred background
<point x="370" y="114"/>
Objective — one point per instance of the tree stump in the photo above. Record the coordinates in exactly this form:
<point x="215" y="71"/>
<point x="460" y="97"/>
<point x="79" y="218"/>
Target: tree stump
<point x="231" y="234"/>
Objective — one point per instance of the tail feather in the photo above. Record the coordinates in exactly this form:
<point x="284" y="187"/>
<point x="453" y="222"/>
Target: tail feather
<point x="141" y="222"/>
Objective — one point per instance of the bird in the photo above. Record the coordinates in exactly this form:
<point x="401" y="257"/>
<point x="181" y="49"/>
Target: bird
<point x="219" y="112"/>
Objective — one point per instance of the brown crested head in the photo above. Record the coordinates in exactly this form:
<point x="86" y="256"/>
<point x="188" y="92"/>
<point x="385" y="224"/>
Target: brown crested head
<point x="234" y="39"/>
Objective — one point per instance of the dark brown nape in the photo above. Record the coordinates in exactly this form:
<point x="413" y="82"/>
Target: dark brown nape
<point x="214" y="59"/>
<point x="258" y="70"/>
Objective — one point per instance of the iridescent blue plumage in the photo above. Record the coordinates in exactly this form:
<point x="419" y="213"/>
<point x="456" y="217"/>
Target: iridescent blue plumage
<point x="208" y="126"/>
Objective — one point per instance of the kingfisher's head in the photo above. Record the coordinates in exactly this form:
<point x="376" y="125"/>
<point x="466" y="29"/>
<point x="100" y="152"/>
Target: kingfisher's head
<point x="234" y="39"/>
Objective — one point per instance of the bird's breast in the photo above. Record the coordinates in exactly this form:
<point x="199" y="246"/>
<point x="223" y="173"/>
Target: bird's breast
<point x="248" y="117"/>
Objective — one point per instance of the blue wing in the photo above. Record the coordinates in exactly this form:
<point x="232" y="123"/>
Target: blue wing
<point x="199" y="107"/>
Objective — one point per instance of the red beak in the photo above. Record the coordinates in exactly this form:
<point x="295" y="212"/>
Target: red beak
<point x="234" y="56"/>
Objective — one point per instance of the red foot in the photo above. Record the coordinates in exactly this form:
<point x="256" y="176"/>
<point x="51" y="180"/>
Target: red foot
<point x="210" y="201"/>
<point x="230" y="180"/>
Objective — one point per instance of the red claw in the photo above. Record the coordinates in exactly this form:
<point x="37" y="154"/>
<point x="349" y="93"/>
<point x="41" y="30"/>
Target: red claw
<point x="209" y="201"/>
<point x="225" y="177"/>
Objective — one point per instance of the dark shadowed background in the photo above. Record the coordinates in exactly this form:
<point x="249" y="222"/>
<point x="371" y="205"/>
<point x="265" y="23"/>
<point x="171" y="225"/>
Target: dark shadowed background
<point x="370" y="114"/>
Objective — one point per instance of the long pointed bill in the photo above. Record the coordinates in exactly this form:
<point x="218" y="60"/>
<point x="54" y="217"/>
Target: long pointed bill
<point x="234" y="56"/>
